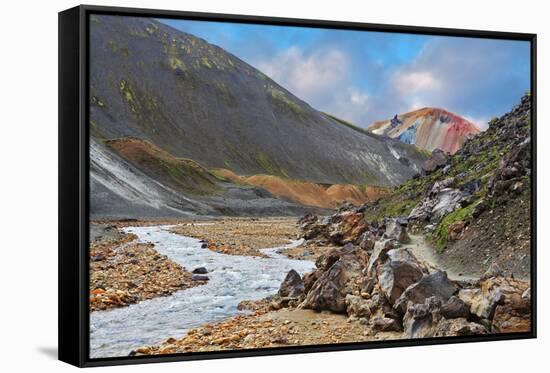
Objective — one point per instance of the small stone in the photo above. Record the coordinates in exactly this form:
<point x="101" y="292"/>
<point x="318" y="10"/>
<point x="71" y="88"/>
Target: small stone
<point x="200" y="270"/>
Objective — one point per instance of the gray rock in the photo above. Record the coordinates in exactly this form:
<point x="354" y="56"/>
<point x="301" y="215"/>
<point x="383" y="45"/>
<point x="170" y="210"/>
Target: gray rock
<point x="200" y="270"/>
<point x="292" y="285"/>
<point x="397" y="272"/>
<point x="458" y="327"/>
<point x="455" y="308"/>
<point x="384" y="324"/>
<point x="357" y="306"/>
<point x="330" y="289"/>
<point x="436" y="284"/>
<point x="420" y="319"/>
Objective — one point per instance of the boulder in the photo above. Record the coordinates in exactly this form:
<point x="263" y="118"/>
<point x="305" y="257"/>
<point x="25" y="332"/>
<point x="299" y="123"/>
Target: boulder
<point x="436" y="285"/>
<point x="310" y="278"/>
<point x="457" y="327"/>
<point x="455" y="308"/>
<point x="440" y="201"/>
<point x="347" y="228"/>
<point x="502" y="293"/>
<point x="357" y="306"/>
<point x="324" y="262"/>
<point x="384" y="324"/>
<point x="513" y="314"/>
<point x="312" y="228"/>
<point x="479" y="208"/>
<point x="421" y="318"/>
<point x="494" y="270"/>
<point x="399" y="231"/>
<point x="332" y="286"/>
<point x="200" y="270"/>
<point x="397" y="270"/>
<point x="428" y="320"/>
<point x="292" y="286"/>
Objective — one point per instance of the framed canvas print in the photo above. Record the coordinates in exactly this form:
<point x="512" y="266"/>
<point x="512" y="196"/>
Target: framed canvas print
<point x="234" y="186"/>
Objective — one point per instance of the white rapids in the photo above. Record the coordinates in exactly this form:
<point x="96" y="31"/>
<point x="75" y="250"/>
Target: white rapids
<point x="233" y="278"/>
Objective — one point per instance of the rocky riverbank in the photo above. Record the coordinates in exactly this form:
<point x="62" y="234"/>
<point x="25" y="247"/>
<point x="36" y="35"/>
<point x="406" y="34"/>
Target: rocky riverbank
<point x="366" y="286"/>
<point x="123" y="272"/>
<point x="241" y="236"/>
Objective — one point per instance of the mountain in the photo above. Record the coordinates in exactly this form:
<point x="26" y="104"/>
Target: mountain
<point x="197" y="101"/>
<point x="168" y="109"/>
<point x="428" y="128"/>
<point x="476" y="206"/>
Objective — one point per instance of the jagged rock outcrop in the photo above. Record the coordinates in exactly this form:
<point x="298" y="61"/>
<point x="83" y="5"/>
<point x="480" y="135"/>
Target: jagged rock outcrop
<point x="389" y="290"/>
<point x="340" y="269"/>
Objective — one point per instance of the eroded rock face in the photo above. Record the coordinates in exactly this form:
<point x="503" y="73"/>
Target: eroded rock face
<point x="399" y="270"/>
<point x="436" y="285"/>
<point x="513" y="166"/>
<point x="292" y="286"/>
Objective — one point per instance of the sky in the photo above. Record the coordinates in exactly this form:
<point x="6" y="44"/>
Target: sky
<point x="368" y="76"/>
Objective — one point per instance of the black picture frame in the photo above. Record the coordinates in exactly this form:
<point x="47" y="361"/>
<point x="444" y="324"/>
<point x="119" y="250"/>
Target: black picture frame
<point x="74" y="183"/>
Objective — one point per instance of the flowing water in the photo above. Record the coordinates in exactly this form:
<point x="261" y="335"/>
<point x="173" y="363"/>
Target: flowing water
<point x="233" y="278"/>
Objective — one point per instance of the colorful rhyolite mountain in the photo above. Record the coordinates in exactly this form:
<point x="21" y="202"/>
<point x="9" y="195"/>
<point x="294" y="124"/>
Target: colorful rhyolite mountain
<point x="428" y="128"/>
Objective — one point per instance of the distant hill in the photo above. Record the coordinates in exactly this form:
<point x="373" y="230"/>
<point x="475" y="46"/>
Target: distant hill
<point x="428" y="128"/>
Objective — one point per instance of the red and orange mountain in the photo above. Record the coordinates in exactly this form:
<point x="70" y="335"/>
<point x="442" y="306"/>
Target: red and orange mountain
<point x="428" y="128"/>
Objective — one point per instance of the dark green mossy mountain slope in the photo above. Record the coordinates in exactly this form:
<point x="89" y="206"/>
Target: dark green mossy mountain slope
<point x="197" y="101"/>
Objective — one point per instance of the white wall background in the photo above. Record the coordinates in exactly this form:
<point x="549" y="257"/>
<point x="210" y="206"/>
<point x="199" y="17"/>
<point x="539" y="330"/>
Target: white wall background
<point x="28" y="188"/>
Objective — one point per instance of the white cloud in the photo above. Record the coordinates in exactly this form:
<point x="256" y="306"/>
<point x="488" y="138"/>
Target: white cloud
<point x="321" y="78"/>
<point x="358" y="98"/>
<point x="416" y="81"/>
<point x="307" y="75"/>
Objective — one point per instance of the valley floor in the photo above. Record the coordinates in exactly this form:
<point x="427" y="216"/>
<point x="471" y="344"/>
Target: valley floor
<point x="125" y="272"/>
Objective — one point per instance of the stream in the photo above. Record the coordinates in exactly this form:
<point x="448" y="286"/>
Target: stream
<point x="233" y="278"/>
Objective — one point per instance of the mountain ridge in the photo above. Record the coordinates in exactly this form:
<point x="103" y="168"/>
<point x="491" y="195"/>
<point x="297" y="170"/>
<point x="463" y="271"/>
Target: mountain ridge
<point x="197" y="101"/>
